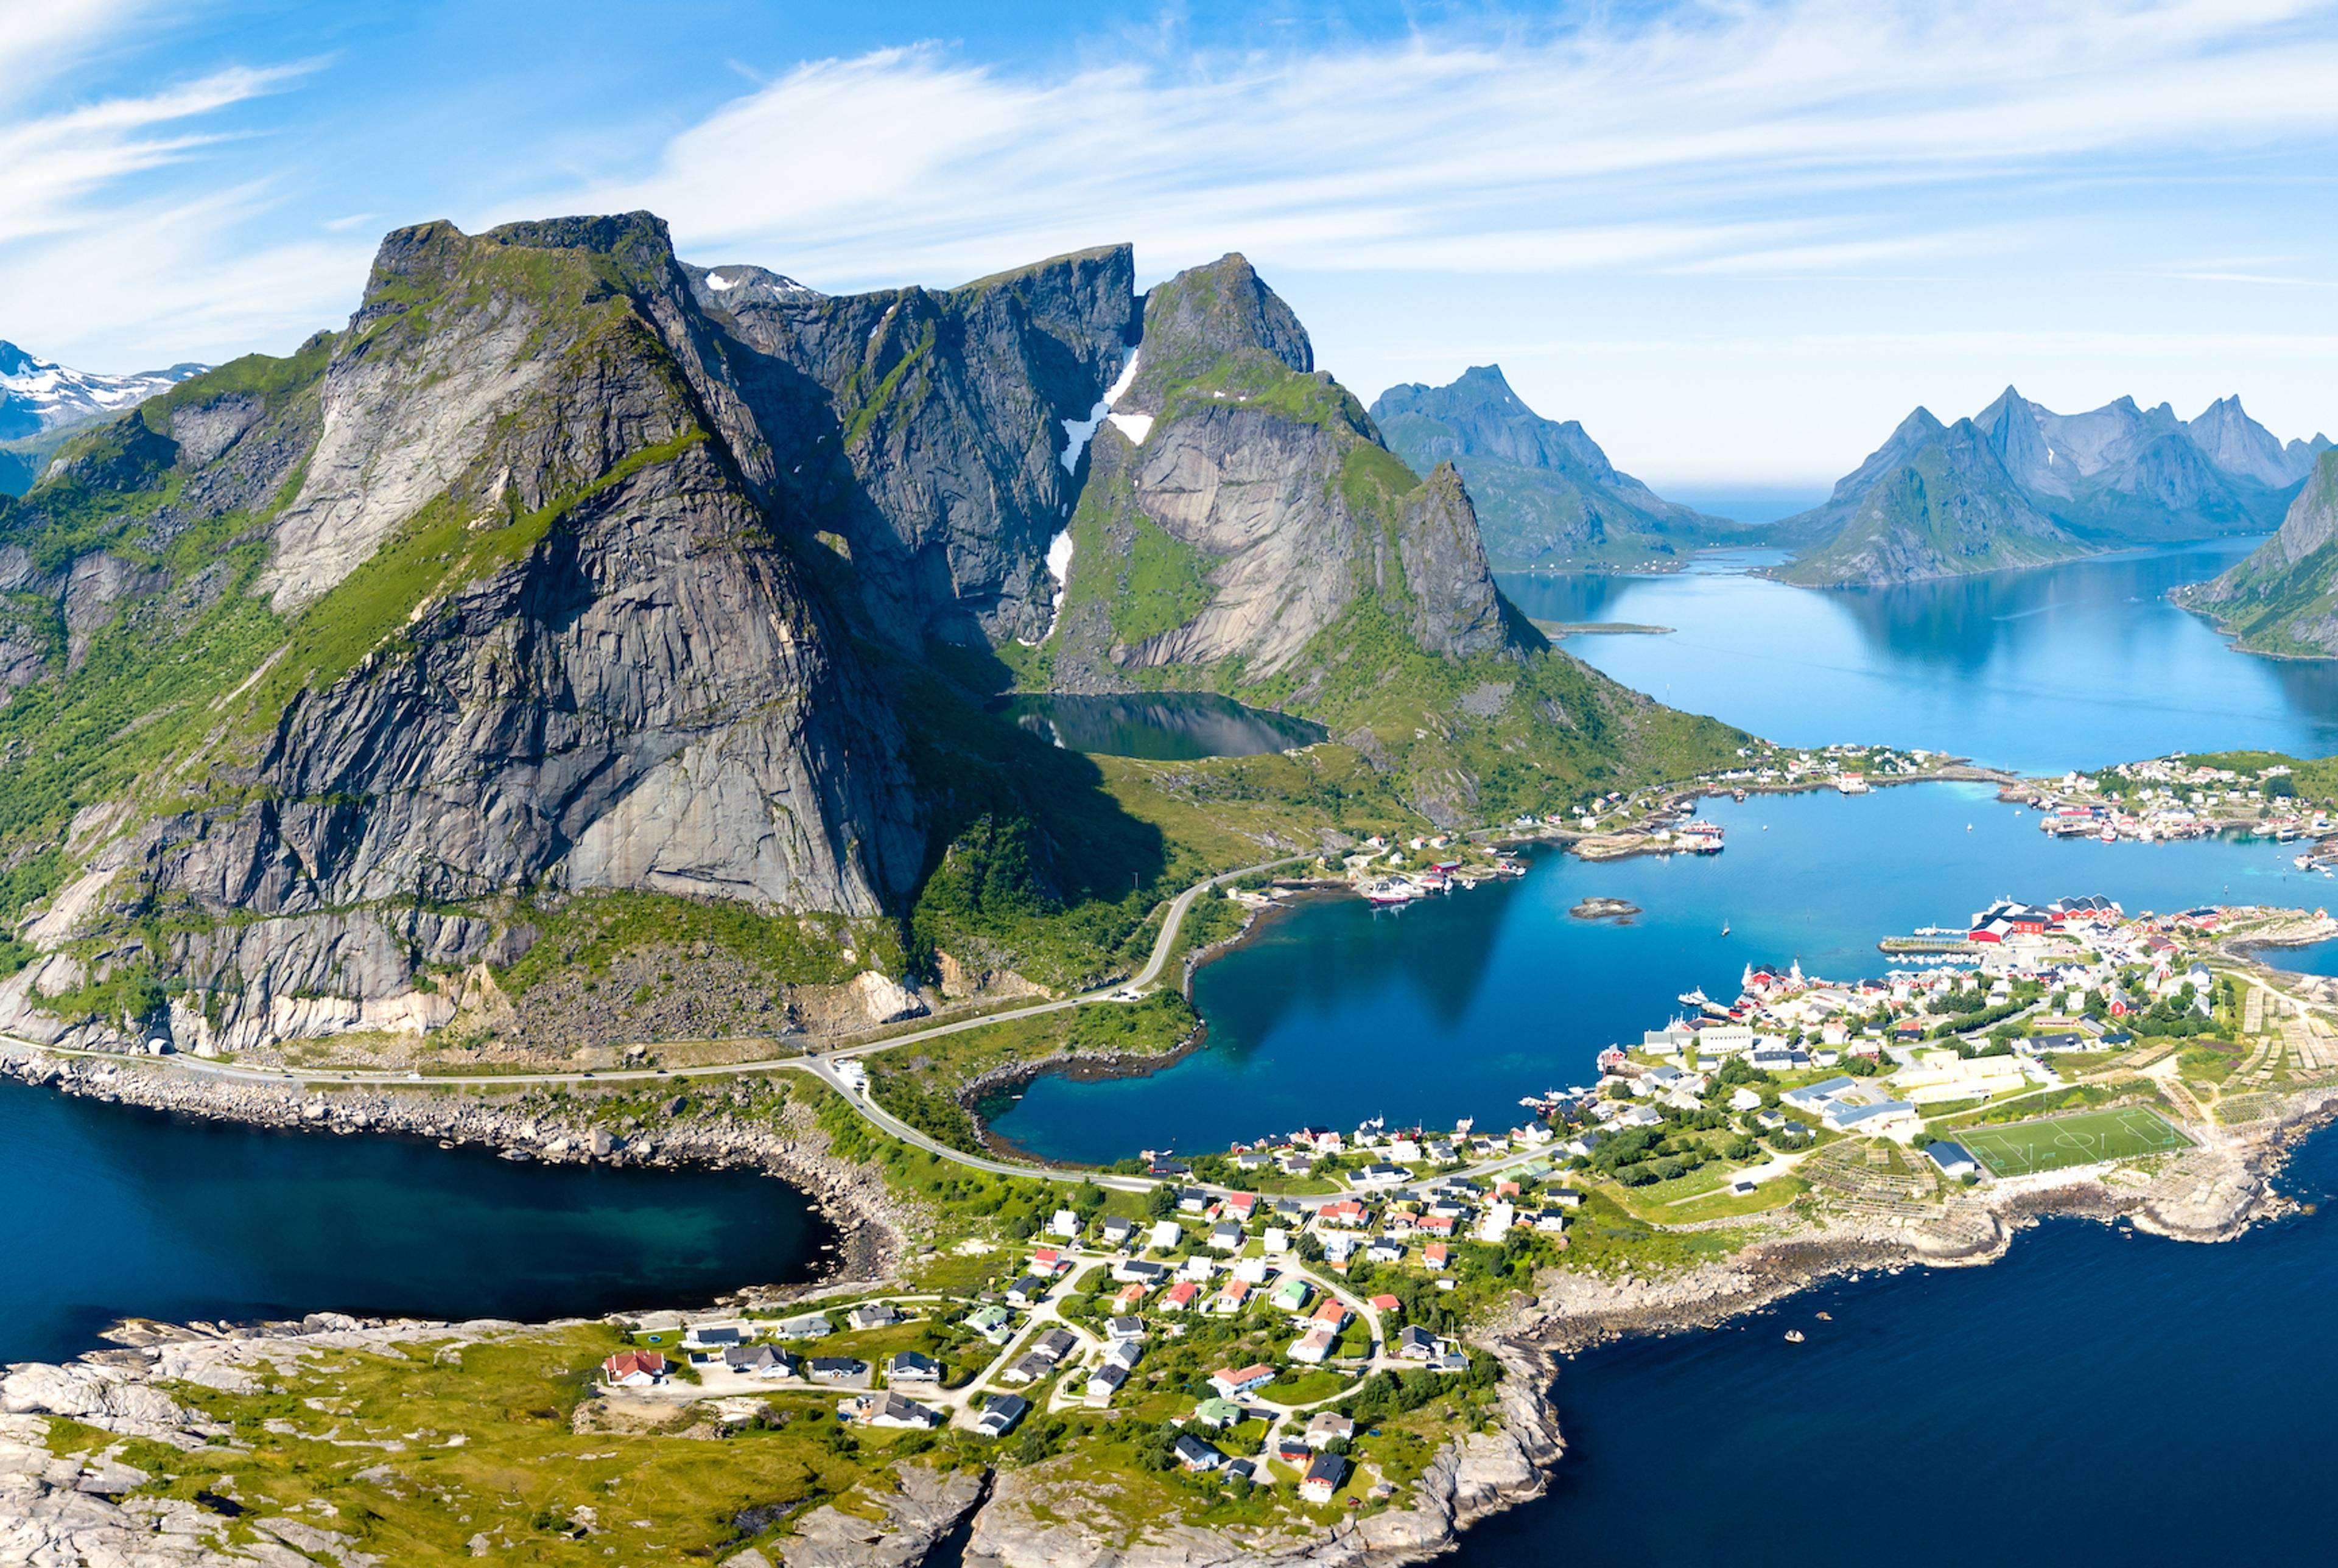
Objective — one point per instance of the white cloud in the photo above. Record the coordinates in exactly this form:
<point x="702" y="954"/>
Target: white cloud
<point x="123" y="271"/>
<point x="1721" y="138"/>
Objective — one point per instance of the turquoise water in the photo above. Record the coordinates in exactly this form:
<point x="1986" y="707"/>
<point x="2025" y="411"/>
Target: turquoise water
<point x="2064" y="666"/>
<point x="1457" y="1005"/>
<point x="122" y="1211"/>
<point x="1164" y="726"/>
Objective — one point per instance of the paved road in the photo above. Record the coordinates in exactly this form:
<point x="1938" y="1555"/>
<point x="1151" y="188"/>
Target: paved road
<point x="821" y="1066"/>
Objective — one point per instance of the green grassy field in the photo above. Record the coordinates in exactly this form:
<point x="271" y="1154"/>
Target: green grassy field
<point x="2057" y="1143"/>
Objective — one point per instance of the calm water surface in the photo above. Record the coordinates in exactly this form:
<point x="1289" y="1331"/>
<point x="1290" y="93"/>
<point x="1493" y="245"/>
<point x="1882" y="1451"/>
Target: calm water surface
<point x="2097" y="1397"/>
<point x="136" y="1213"/>
<point x="2064" y="666"/>
<point x="1457" y="1005"/>
<point x="1163" y="726"/>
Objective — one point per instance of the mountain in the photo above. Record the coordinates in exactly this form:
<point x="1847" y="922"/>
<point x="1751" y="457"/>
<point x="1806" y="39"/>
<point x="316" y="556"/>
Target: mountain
<point x="1547" y="496"/>
<point x="41" y="403"/>
<point x="1243" y="530"/>
<point x="2283" y="597"/>
<point x="2019" y="484"/>
<point x="573" y="605"/>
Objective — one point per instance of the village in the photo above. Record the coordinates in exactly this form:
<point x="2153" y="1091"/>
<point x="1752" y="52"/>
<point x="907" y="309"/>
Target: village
<point x="1610" y="826"/>
<point x="1263" y="1316"/>
<point x="2176" y="796"/>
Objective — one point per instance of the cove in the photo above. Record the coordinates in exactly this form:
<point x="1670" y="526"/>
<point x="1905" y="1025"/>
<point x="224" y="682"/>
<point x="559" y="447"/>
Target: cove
<point x="2077" y="1402"/>
<point x="137" y="1212"/>
<point x="1457" y="1005"/>
<point x="2074" y="665"/>
<point x="1160" y="726"/>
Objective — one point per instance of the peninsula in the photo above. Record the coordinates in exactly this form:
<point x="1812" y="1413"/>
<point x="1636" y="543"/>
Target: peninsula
<point x="1317" y="1345"/>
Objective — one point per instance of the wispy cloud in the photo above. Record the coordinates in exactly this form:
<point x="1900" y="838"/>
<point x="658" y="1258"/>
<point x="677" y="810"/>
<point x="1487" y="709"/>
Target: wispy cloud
<point x="108" y="252"/>
<point x="1720" y="137"/>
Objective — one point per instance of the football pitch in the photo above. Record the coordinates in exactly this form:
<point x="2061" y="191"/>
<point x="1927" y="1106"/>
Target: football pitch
<point x="2057" y="1143"/>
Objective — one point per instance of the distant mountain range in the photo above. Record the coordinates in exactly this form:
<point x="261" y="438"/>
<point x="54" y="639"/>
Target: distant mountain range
<point x="2018" y="484"/>
<point x="2283" y="599"/>
<point x="1546" y="495"/>
<point x="42" y="403"/>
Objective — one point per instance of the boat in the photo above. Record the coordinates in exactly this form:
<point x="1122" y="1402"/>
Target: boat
<point x="1738" y="796"/>
<point x="1725" y="927"/>
<point x="1696" y="998"/>
<point x="1389" y="893"/>
<point x="1794" y="1335"/>
<point x="2109" y="835"/>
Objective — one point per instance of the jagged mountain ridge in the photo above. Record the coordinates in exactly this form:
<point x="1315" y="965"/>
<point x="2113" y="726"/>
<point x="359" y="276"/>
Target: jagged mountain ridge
<point x="2019" y="484"/>
<point x="563" y="571"/>
<point x="41" y="402"/>
<point x="1547" y="495"/>
<point x="2283" y="597"/>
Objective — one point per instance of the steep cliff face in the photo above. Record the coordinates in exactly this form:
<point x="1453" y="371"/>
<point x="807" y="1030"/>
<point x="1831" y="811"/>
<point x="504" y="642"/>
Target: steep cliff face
<point x="926" y="430"/>
<point x="1546" y="495"/>
<point x="567" y="571"/>
<point x="521" y="624"/>
<point x="1244" y="530"/>
<point x="2284" y="598"/>
<point x="1240" y="504"/>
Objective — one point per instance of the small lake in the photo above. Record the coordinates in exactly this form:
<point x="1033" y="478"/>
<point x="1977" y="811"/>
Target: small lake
<point x="1161" y="725"/>
<point x="1457" y="1005"/>
<point x="124" y="1212"/>
<point x="2063" y="666"/>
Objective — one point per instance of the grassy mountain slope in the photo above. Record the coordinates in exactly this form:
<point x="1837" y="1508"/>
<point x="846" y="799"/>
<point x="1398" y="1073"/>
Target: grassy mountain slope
<point x="1368" y="606"/>
<point x="2284" y="598"/>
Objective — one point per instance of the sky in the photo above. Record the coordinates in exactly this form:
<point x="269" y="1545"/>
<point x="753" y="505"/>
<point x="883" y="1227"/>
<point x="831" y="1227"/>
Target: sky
<point x="1738" y="241"/>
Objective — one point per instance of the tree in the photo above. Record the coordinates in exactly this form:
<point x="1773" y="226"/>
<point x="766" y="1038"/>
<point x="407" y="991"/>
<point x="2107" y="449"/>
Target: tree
<point x="1160" y="1201"/>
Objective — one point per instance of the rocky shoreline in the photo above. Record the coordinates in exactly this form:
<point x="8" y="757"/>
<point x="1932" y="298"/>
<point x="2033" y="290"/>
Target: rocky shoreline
<point x="872" y="1225"/>
<point x="73" y="1507"/>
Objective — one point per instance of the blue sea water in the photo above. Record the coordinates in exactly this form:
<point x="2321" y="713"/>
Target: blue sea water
<point x="2073" y="665"/>
<point x="122" y="1211"/>
<point x="1458" y="1006"/>
<point x="2098" y="1396"/>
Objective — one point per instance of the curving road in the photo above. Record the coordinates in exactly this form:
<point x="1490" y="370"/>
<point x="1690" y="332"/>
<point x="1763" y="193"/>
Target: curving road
<point x="822" y="1066"/>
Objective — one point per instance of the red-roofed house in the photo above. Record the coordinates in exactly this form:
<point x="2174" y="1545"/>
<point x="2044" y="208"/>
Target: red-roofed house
<point x="633" y="1368"/>
<point x="1436" y="1254"/>
<point x="1331" y="1312"/>
<point x="1386" y="1304"/>
<point x="1180" y="1296"/>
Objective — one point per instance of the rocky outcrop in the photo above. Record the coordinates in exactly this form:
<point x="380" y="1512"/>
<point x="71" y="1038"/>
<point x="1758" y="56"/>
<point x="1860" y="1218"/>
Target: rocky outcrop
<point x="926" y="1505"/>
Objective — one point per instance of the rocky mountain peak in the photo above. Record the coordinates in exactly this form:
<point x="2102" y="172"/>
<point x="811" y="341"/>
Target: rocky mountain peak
<point x="1206" y="313"/>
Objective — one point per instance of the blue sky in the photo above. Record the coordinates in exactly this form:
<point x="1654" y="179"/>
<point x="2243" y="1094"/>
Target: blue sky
<point x="1738" y="241"/>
